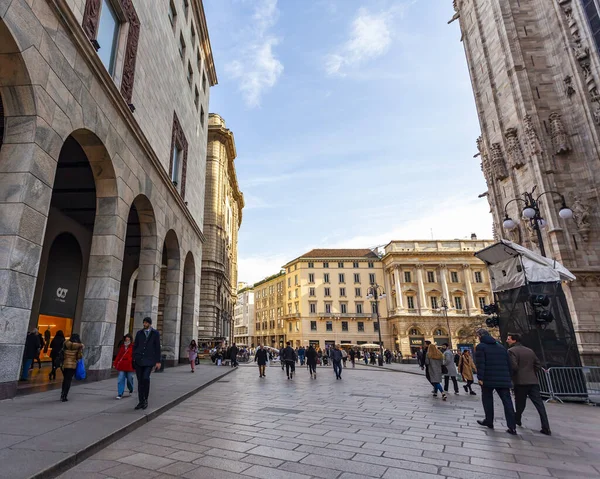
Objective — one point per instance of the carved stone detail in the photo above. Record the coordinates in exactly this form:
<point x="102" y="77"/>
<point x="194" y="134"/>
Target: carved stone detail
<point x="513" y="149"/>
<point x="456" y="15"/>
<point x="532" y="140"/>
<point x="486" y="166"/>
<point x="178" y="139"/>
<point x="133" y="37"/>
<point x="513" y="235"/>
<point x="581" y="216"/>
<point x="531" y="232"/>
<point x="560" y="139"/>
<point x="498" y="164"/>
<point x="569" y="89"/>
<point x="581" y="51"/>
<point x="91" y="18"/>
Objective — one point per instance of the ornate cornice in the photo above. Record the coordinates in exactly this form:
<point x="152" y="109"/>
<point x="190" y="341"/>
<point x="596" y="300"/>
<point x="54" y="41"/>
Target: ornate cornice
<point x="205" y="41"/>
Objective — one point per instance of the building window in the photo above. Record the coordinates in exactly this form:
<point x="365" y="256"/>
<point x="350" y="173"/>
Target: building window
<point x="355" y="264"/>
<point x="311" y="278"/>
<point x="199" y="61"/>
<point x="313" y="325"/>
<point x="196" y="97"/>
<point x="430" y="276"/>
<point x="458" y="302"/>
<point x="328" y="326"/>
<point x="204" y="82"/>
<point x="311" y="265"/>
<point x="343" y="308"/>
<point x="342" y="292"/>
<point x="410" y="301"/>
<point x="176" y="165"/>
<point x="482" y="302"/>
<point x="326" y="277"/>
<point x="325" y="265"/>
<point x="108" y="36"/>
<point x="361" y="327"/>
<point x="453" y="277"/>
<point x="311" y="291"/>
<point x="178" y="160"/>
<point x="340" y="265"/>
<point x="341" y="278"/>
<point x="371" y="264"/>
<point x="296" y="293"/>
<point x="289" y="282"/>
<point x="295" y="266"/>
<point x="478" y="277"/>
<point x="181" y="45"/>
<point x="357" y="292"/>
<point x="359" y="309"/>
<point x="371" y="278"/>
<point x="290" y="327"/>
<point x="296" y="307"/>
<point x="434" y="302"/>
<point x="190" y="75"/>
<point x="407" y="278"/>
<point x="289" y="309"/>
<point x="193" y="34"/>
<point x="375" y="326"/>
<point x="172" y="13"/>
<point x="289" y="295"/>
<point x="374" y="307"/>
<point x="356" y="278"/>
<point x="327" y="292"/>
<point x="313" y="307"/>
<point x="591" y="12"/>
<point x="328" y="308"/>
<point x="202" y="116"/>
<point x="296" y="280"/>
<point x="345" y="326"/>
<point x="186" y="7"/>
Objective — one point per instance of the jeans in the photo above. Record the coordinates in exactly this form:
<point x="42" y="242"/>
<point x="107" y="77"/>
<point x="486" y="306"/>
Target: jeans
<point x="533" y="392"/>
<point x="301" y="358"/>
<point x="123" y="376"/>
<point x="290" y="367"/>
<point x="67" y="378"/>
<point x="437" y="387"/>
<point x="143" y="377"/>
<point x="26" y="365"/>
<point x="337" y="368"/>
<point x="447" y="380"/>
<point x="487" y="398"/>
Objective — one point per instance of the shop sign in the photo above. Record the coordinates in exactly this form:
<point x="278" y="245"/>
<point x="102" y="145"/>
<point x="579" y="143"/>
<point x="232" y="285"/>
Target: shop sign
<point x="416" y="341"/>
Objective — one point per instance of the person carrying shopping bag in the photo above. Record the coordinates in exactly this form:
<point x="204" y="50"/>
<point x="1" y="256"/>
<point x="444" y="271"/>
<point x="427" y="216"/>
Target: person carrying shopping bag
<point x="73" y="353"/>
<point x="124" y="364"/>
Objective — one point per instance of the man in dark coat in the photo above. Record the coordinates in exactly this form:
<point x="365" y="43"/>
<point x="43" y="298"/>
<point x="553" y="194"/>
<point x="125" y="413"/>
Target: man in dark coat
<point x="494" y="373"/>
<point x="311" y="361"/>
<point x="146" y="357"/>
<point x="289" y="356"/>
<point x="525" y="364"/>
<point x="261" y="357"/>
<point x="336" y="359"/>
<point x="233" y="352"/>
<point x="352" y="355"/>
<point x="32" y="345"/>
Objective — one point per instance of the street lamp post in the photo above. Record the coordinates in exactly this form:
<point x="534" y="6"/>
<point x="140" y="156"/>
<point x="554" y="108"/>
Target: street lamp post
<point x="445" y="308"/>
<point x="377" y="292"/>
<point x="531" y="212"/>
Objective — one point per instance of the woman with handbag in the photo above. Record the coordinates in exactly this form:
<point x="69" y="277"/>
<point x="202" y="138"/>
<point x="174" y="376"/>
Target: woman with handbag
<point x="73" y="351"/>
<point x="124" y="364"/>
<point x="57" y="354"/>
<point x="192" y="354"/>
<point x="466" y="366"/>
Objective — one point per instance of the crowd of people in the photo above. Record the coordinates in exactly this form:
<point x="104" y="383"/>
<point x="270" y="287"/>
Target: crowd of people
<point x="497" y="369"/>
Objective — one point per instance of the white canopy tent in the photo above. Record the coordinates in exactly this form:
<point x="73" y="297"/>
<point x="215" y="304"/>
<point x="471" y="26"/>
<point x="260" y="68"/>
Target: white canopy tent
<point x="512" y="266"/>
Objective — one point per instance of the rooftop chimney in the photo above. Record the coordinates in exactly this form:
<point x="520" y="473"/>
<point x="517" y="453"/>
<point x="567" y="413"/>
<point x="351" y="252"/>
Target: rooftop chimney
<point x="473" y="236"/>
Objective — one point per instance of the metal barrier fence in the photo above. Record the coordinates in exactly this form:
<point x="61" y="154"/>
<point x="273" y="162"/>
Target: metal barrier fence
<point x="572" y="384"/>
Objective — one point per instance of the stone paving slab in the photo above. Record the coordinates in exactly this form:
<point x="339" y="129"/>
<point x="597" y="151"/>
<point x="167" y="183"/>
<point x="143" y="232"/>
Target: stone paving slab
<point x="340" y="430"/>
<point x="41" y="436"/>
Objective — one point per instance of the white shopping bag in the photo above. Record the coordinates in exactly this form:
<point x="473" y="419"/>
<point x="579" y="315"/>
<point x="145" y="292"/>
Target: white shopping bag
<point x="219" y="362"/>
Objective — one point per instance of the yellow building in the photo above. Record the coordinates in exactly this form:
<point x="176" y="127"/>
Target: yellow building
<point x="269" y="311"/>
<point x="326" y="298"/>
<point x="438" y="290"/>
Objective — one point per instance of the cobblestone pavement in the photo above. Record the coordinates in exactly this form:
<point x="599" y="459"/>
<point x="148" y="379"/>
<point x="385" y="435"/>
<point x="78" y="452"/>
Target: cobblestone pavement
<point x="370" y="424"/>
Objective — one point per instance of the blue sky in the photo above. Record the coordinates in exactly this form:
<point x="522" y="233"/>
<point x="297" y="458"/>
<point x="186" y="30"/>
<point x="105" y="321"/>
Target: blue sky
<point x="354" y="123"/>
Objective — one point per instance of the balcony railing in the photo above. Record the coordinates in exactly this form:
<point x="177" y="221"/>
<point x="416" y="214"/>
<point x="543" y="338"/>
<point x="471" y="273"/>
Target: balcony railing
<point x="347" y="315"/>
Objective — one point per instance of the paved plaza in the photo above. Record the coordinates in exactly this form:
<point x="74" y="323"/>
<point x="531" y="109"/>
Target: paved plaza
<point x="370" y="424"/>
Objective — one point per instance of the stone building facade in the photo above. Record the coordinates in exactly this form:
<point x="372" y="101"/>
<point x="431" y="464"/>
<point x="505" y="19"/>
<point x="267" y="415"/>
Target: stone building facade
<point x="243" y="327"/>
<point x="437" y="290"/>
<point x="102" y="170"/>
<point x="269" y="311"/>
<point x="222" y="218"/>
<point x="535" y="70"/>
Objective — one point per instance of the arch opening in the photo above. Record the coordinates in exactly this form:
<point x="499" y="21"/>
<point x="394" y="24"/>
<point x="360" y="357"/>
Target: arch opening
<point x="169" y="300"/>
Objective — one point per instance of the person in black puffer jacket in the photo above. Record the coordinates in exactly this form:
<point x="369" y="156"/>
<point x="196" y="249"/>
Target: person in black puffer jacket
<point x="494" y="373"/>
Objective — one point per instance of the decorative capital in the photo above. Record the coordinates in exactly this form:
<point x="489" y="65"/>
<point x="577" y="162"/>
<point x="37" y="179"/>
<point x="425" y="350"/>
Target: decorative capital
<point x="419" y="266"/>
<point x="466" y="266"/>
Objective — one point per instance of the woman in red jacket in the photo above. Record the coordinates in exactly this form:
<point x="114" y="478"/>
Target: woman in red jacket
<point x="124" y="364"/>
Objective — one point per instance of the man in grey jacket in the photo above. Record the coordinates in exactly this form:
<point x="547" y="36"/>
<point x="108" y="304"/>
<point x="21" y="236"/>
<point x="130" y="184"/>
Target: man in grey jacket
<point x="525" y="364"/>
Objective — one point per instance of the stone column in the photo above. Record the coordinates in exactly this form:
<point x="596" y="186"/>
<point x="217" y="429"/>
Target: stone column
<point x="421" y="286"/>
<point x="172" y="311"/>
<point x="444" y="278"/>
<point x="468" y="283"/>
<point x="388" y="290"/>
<point x="399" y="298"/>
<point x="148" y="285"/>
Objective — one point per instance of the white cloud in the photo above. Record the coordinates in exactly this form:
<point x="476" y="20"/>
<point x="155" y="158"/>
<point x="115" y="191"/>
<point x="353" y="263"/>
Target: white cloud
<point x="255" y="268"/>
<point x="258" y="68"/>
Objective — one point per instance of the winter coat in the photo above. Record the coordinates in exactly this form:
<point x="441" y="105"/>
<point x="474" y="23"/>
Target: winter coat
<point x="525" y="364"/>
<point x="192" y="353"/>
<point x="301" y="353"/>
<point x="435" y="370"/>
<point x="336" y="355"/>
<point x="233" y="352"/>
<point x="466" y="367"/>
<point x="32" y="344"/>
<point x="124" y="359"/>
<point x="311" y="356"/>
<point x="493" y="363"/>
<point x="56" y="345"/>
<point x="146" y="350"/>
<point x="448" y="361"/>
<point x="288" y="354"/>
<point x="73" y="353"/>
<point x="261" y="357"/>
<point x="352" y="354"/>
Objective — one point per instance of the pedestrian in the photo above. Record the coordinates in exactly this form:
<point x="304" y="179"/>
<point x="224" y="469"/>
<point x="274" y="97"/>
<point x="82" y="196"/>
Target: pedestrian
<point x="366" y="358"/>
<point x="434" y="365"/>
<point x="494" y="373"/>
<point x="233" y="355"/>
<point x="261" y="357"/>
<point x="336" y="359"/>
<point x="124" y="364"/>
<point x="146" y="354"/>
<point x="73" y="351"/>
<point x="423" y="364"/>
<point x="289" y="358"/>
<point x="311" y="361"/>
<point x="301" y="355"/>
<point x="352" y="355"/>
<point x="344" y="356"/>
<point x="56" y="352"/>
<point x="525" y="364"/>
<point x="450" y="371"/>
<point x="466" y="366"/>
<point x="29" y="353"/>
<point x="41" y="344"/>
<point x="192" y="351"/>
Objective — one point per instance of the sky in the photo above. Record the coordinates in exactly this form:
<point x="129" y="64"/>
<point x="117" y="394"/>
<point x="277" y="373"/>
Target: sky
<point x="354" y="123"/>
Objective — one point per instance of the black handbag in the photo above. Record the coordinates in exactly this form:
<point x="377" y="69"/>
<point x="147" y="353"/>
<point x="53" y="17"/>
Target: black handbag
<point x="444" y="369"/>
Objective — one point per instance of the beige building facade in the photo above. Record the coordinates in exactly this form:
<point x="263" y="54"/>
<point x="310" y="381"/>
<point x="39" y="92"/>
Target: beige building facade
<point x="102" y="168"/>
<point x="535" y="71"/>
<point x="326" y="301"/>
<point x="222" y="219"/>
<point x="437" y="291"/>
<point x="269" y="311"/>
<point x="243" y="327"/>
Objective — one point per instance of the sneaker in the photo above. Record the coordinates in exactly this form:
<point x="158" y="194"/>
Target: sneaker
<point x="512" y="431"/>
<point x="119" y="397"/>
<point x="457" y="393"/>
<point x="483" y="423"/>
<point x="444" y="397"/>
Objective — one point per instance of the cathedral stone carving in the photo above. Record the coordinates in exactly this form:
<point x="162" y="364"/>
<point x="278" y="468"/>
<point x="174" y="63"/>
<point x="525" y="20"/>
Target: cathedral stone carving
<point x="532" y="140"/>
<point x="486" y="166"/>
<point x="560" y="139"/>
<point x="498" y="163"/>
<point x="513" y="149"/>
<point x="581" y="215"/>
